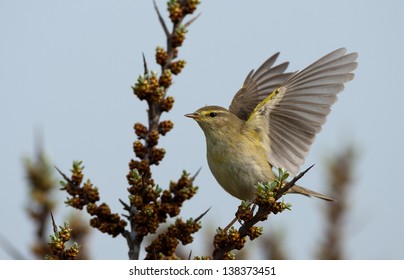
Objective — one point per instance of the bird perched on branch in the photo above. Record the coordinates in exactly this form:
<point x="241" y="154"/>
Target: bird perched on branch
<point x="272" y="122"/>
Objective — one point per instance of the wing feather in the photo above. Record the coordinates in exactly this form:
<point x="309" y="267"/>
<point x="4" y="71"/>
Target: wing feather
<point x="257" y="85"/>
<point x="294" y="112"/>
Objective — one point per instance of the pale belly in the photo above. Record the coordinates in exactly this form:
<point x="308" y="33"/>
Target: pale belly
<point x="238" y="171"/>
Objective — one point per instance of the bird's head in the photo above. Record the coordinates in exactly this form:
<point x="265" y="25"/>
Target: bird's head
<point x="215" y="120"/>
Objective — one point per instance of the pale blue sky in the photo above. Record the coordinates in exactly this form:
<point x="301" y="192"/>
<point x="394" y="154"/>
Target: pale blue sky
<point x="66" y="68"/>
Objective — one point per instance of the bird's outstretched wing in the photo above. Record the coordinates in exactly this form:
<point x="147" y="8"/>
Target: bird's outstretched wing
<point x="288" y="119"/>
<point x="257" y="85"/>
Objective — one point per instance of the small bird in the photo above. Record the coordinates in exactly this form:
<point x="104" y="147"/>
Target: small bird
<point x="272" y="122"/>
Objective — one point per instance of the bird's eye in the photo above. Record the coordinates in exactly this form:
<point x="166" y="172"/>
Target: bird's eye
<point x="212" y="114"/>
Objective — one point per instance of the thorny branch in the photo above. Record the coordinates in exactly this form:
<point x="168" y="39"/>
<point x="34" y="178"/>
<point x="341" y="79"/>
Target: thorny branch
<point x="147" y="208"/>
<point x="267" y="201"/>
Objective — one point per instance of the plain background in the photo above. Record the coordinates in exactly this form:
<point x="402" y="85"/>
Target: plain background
<point x="66" y="69"/>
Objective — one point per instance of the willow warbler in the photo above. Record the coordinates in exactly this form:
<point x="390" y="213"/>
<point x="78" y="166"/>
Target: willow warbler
<point x="272" y="122"/>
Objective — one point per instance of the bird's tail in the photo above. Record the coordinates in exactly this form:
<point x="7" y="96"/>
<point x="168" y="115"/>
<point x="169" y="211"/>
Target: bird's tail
<point x="310" y="193"/>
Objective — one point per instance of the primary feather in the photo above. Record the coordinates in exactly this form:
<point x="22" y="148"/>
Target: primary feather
<point x="257" y="85"/>
<point x="288" y="117"/>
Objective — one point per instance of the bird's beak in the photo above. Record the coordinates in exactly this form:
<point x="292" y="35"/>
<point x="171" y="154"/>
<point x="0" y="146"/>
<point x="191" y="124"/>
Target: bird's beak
<point x="193" y="115"/>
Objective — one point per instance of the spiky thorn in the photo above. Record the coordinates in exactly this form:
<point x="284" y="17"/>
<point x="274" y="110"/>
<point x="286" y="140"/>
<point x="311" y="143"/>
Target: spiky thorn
<point x="54" y="226"/>
<point x="196" y="174"/>
<point x="67" y="179"/>
<point x="162" y="22"/>
<point x="201" y="216"/>
<point x="290" y="184"/>
<point x="189" y="22"/>
<point x="146" y="71"/>
<point x="230" y="224"/>
<point x="126" y="206"/>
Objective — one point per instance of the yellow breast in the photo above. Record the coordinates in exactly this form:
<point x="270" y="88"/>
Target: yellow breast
<point x="238" y="168"/>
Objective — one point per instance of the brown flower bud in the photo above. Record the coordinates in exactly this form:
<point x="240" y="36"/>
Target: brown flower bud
<point x="161" y="56"/>
<point x="178" y="36"/>
<point x="64" y="233"/>
<point x="77" y="178"/>
<point x="153" y="81"/>
<point x="140" y="130"/>
<point x="175" y="11"/>
<point x="167" y="104"/>
<point x="152" y="138"/>
<point x="144" y="167"/>
<point x="139" y="149"/>
<point x="91" y="193"/>
<point x="157" y="95"/>
<point x="57" y="246"/>
<point x="103" y="210"/>
<point x="157" y="155"/>
<point x="165" y="126"/>
<point x="189" y="6"/>
<point x="254" y="232"/>
<point x="177" y="66"/>
<point x="165" y="78"/>
<point x="71" y="254"/>
<point x="92" y="209"/>
<point x="95" y="222"/>
<point x="142" y="87"/>
<point x="75" y="202"/>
